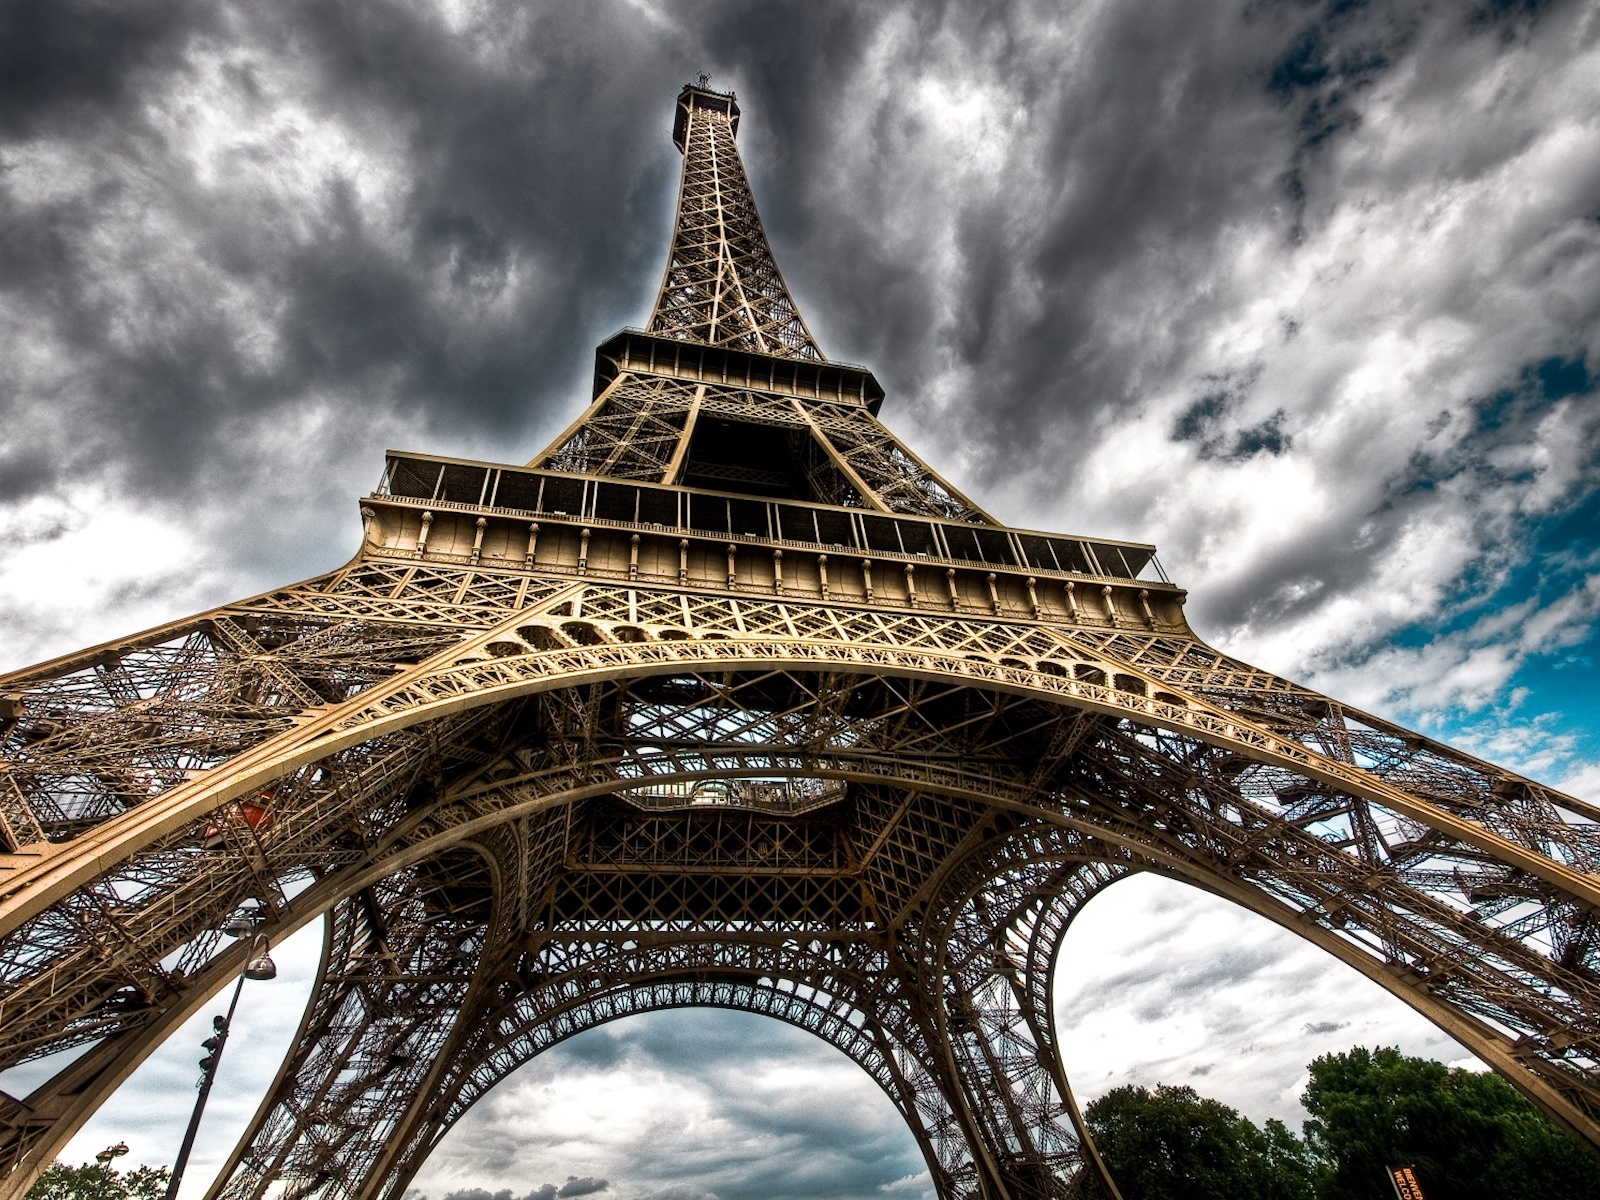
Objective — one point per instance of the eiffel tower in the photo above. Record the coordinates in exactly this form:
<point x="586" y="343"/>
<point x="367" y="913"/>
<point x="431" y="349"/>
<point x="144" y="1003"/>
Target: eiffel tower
<point x="726" y="699"/>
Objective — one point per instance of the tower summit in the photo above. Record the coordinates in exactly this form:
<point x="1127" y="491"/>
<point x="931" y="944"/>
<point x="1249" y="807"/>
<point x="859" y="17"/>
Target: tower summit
<point x="727" y="390"/>
<point x="726" y="698"/>
<point x="722" y="285"/>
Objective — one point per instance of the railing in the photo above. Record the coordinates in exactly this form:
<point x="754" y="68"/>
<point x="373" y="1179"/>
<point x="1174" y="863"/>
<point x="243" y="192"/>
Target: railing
<point x="452" y="485"/>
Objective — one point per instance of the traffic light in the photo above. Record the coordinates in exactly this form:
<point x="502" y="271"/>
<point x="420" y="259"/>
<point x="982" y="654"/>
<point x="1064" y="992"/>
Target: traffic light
<point x="213" y="1045"/>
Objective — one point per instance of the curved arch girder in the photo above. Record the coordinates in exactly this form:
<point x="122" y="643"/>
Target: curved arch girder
<point x="860" y="1034"/>
<point x="1194" y="807"/>
<point x="1066" y="667"/>
<point x="553" y="987"/>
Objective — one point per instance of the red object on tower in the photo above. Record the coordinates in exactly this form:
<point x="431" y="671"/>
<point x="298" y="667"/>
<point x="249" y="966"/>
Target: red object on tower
<point x="254" y="815"/>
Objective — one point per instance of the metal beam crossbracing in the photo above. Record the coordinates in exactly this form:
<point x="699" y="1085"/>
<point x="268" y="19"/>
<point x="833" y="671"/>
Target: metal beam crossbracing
<point x="640" y="425"/>
<point x="542" y="986"/>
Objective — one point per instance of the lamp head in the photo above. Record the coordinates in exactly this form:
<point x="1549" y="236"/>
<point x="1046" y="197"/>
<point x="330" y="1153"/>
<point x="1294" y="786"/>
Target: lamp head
<point x="260" y="965"/>
<point x="239" y="925"/>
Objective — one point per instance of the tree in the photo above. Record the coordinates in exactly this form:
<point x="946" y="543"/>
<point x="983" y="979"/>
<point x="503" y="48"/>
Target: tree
<point x="1173" y="1144"/>
<point x="1468" y="1135"/>
<point x="99" y="1181"/>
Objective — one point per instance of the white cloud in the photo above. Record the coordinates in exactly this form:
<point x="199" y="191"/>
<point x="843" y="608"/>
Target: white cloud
<point x="731" y="1104"/>
<point x="80" y="570"/>
<point x="1161" y="983"/>
<point x="1583" y="782"/>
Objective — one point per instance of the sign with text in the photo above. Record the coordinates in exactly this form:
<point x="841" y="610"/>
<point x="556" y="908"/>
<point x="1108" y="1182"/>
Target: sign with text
<point x="1405" y="1183"/>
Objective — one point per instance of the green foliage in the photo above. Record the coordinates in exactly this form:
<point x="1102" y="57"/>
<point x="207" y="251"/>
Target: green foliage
<point x="99" y="1181"/>
<point x="1172" y="1144"/>
<point x="1469" y="1136"/>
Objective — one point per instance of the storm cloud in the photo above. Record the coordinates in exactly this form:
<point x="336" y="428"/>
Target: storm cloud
<point x="1306" y="292"/>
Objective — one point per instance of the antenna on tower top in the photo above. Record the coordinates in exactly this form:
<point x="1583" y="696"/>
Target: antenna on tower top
<point x="702" y="80"/>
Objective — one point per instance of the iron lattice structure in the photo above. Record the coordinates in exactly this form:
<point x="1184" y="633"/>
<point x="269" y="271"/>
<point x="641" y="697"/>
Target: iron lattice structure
<point x="726" y="699"/>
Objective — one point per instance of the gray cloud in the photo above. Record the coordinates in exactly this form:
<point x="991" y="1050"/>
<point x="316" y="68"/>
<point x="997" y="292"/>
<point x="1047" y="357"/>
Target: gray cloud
<point x="574" y="1186"/>
<point x="738" y="1105"/>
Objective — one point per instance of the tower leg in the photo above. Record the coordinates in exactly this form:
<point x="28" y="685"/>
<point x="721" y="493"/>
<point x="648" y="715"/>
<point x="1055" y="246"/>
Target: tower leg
<point x="401" y="959"/>
<point x="995" y="932"/>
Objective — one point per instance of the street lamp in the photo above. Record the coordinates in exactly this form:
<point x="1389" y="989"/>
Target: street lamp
<point x="258" y="966"/>
<point x="240" y="924"/>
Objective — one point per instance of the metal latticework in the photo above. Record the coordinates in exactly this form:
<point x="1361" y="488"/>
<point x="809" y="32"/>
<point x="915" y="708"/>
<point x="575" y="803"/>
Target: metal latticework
<point x="722" y="285"/>
<point x="726" y="700"/>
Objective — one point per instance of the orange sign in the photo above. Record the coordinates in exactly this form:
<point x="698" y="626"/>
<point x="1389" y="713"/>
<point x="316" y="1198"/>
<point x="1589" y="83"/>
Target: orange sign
<point x="1405" y="1183"/>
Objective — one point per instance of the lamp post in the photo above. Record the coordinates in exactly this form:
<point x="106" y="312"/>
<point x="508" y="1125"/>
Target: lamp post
<point x="259" y="966"/>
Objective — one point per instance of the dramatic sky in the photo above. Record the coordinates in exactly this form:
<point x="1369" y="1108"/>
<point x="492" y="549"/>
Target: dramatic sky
<point x="1307" y="292"/>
